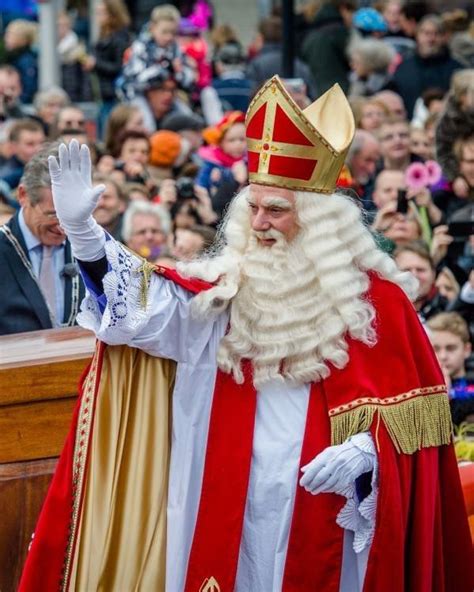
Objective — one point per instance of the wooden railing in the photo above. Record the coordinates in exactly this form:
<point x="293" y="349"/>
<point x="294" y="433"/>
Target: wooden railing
<point x="39" y="375"/>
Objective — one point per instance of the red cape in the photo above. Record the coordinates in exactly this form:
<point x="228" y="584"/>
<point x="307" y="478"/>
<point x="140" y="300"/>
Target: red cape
<point x="421" y="542"/>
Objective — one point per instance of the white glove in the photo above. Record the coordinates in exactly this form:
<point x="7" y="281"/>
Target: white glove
<point x="75" y="199"/>
<point x="337" y="467"/>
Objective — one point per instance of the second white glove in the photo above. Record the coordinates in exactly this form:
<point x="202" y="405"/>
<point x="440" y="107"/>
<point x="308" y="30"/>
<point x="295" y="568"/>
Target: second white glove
<point x="337" y="467"/>
<point x="75" y="199"/>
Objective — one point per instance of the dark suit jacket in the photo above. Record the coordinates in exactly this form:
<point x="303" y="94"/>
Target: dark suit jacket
<point x="22" y="305"/>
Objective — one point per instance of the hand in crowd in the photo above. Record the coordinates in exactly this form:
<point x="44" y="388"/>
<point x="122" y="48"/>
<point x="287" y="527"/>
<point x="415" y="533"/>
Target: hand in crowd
<point x="204" y="205"/>
<point x="88" y="63"/>
<point x="461" y="187"/>
<point x="385" y="217"/>
<point x="240" y="172"/>
<point x="440" y="243"/>
<point x="105" y="165"/>
<point x="177" y="65"/>
<point x="168" y="194"/>
<point x="424" y="199"/>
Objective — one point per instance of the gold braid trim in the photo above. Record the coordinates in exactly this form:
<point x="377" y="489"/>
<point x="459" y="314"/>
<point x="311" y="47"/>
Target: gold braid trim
<point x="415" y="420"/>
<point x="146" y="270"/>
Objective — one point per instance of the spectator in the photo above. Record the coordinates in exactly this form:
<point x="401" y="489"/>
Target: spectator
<point x="145" y="229"/>
<point x="415" y="257"/>
<point x="20" y="38"/>
<point x="369" y="113"/>
<point x="370" y="60"/>
<point x="420" y="144"/>
<point x="26" y="138"/>
<point x="70" y="117"/>
<point x="227" y="146"/>
<point x="136" y="192"/>
<point x="395" y="36"/>
<point x="447" y="284"/>
<point x="393" y="102"/>
<point x="72" y="52"/>
<point x="192" y="242"/>
<point x="325" y="48"/>
<point x="169" y="151"/>
<point x="431" y="67"/>
<point x="449" y="335"/>
<point x="110" y="207"/>
<point x="411" y="13"/>
<point x="188" y="127"/>
<point x="10" y="91"/>
<point x="232" y="86"/>
<point x="48" y="103"/>
<point x="41" y="287"/>
<point x="159" y="98"/>
<point x="456" y="122"/>
<point x="454" y="197"/>
<point x="362" y="159"/>
<point x="156" y="49"/>
<point x="122" y="118"/>
<point x="107" y="57"/>
<point x="394" y="137"/>
<point x="368" y="22"/>
<point x="269" y="58"/>
<point x="387" y="185"/>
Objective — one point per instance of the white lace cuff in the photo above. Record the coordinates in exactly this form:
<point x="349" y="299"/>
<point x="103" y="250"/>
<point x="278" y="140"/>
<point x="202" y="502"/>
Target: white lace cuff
<point x="124" y="311"/>
<point x="355" y="516"/>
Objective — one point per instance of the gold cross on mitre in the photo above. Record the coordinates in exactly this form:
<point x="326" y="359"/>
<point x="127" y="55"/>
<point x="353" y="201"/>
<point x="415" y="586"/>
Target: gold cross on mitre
<point x="293" y="148"/>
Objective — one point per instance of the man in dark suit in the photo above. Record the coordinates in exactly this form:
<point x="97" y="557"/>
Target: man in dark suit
<point x="41" y="287"/>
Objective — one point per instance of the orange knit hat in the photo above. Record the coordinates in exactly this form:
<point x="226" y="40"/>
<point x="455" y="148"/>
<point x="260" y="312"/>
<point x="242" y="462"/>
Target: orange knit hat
<point x="165" y="147"/>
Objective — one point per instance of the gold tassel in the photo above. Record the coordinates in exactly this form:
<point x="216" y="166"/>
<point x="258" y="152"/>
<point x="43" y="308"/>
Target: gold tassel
<point x="146" y="270"/>
<point x="412" y="424"/>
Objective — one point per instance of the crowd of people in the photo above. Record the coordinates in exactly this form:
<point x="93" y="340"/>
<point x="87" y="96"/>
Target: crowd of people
<point x="169" y="145"/>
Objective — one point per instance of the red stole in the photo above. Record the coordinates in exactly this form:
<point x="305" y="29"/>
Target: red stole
<point x="314" y="533"/>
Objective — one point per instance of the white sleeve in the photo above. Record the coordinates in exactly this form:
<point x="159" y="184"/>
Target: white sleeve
<point x="162" y="327"/>
<point x="356" y="516"/>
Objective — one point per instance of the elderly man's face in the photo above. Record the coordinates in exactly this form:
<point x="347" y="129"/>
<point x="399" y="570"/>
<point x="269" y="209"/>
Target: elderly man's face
<point x="146" y="233"/>
<point x="364" y="163"/>
<point x="272" y="208"/>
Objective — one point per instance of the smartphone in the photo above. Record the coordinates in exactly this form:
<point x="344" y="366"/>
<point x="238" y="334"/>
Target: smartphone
<point x="402" y="201"/>
<point x="461" y="231"/>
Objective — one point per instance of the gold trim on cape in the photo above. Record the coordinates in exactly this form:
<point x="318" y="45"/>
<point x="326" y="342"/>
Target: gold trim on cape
<point x="416" y="419"/>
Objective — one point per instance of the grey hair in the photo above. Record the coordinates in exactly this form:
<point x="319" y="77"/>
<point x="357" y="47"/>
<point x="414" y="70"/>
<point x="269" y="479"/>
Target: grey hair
<point x="36" y="173"/>
<point x="361" y="137"/>
<point x="44" y="96"/>
<point x="150" y="209"/>
<point x="375" y="54"/>
<point x="435" y="20"/>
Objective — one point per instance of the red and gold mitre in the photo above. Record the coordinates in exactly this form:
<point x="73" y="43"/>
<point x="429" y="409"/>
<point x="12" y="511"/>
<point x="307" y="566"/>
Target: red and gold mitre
<point x="303" y="150"/>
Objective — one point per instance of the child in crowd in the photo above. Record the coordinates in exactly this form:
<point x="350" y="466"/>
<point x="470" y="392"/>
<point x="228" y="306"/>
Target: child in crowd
<point x="449" y="335"/>
<point x="20" y="40"/>
<point x="226" y="147"/>
<point x="157" y="46"/>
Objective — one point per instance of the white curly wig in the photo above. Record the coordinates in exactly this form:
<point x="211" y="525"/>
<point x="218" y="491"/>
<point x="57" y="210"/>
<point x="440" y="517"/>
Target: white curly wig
<point x="293" y="305"/>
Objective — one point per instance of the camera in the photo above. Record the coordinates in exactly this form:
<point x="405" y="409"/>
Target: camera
<point x="185" y="188"/>
<point x="402" y="202"/>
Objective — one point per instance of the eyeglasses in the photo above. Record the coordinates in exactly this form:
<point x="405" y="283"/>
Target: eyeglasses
<point x="74" y="123"/>
<point x="48" y="215"/>
<point x="392" y="136"/>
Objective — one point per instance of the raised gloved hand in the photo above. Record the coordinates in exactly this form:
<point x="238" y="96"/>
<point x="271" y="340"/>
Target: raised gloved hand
<point x="337" y="467"/>
<point x="75" y="199"/>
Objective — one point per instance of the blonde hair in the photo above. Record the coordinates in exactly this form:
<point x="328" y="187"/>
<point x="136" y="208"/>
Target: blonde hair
<point x="452" y="322"/>
<point x="26" y="29"/>
<point x="165" y="12"/>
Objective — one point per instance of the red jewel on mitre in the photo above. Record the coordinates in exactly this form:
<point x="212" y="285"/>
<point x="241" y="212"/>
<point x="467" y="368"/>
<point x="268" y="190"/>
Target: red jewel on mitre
<point x="298" y="149"/>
